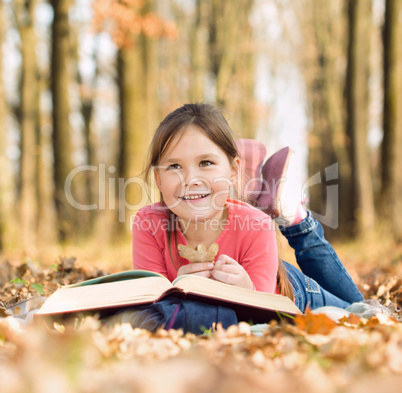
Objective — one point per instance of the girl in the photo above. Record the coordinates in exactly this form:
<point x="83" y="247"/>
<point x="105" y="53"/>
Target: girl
<point x="196" y="165"/>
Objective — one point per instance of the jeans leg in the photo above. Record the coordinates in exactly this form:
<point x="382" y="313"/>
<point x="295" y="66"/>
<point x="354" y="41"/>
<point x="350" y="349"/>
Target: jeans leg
<point x="308" y="293"/>
<point x="318" y="260"/>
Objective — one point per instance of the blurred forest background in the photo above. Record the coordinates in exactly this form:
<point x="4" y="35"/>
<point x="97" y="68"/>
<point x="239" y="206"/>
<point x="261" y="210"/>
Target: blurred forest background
<point x="87" y="82"/>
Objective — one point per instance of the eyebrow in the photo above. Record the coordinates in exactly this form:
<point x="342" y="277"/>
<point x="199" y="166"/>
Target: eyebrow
<point x="200" y="157"/>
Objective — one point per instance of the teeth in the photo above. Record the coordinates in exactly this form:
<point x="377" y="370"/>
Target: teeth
<point x="186" y="198"/>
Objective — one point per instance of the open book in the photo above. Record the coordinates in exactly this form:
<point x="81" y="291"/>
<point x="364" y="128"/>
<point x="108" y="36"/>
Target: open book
<point x="139" y="287"/>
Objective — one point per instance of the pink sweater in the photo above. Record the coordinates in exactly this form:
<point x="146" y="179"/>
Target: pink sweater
<point x="248" y="237"/>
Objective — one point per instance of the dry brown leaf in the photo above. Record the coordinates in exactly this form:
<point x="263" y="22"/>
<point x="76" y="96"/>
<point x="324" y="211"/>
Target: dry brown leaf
<point x="352" y="320"/>
<point x="314" y="323"/>
<point x="200" y="254"/>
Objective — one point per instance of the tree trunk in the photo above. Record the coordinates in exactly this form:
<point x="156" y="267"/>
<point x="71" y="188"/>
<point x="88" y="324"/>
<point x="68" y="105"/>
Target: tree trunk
<point x="47" y="219"/>
<point x="61" y="110"/>
<point x="232" y="49"/>
<point x="3" y="140"/>
<point x="245" y="71"/>
<point x="391" y="159"/>
<point x="133" y="136"/>
<point x="150" y="67"/>
<point x="359" y="16"/>
<point x="199" y="51"/>
<point x="137" y="99"/>
<point x="88" y="184"/>
<point x="28" y="201"/>
<point x="324" y="30"/>
<point x="223" y="45"/>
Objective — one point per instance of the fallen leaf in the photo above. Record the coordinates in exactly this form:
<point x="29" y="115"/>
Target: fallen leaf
<point x="314" y="323"/>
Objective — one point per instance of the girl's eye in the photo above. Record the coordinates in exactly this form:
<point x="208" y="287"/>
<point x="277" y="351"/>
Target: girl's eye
<point x="173" y="166"/>
<point x="205" y="163"/>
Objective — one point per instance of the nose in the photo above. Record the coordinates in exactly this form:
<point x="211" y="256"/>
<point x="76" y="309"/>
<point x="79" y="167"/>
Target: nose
<point x="193" y="182"/>
<point x="192" y="178"/>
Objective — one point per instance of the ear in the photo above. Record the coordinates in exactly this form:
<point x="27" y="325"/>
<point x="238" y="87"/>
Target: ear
<point x="235" y="170"/>
<point x="157" y="179"/>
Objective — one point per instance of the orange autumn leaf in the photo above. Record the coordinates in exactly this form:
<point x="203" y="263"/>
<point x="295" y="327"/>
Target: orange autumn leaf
<point x="125" y="20"/>
<point x="314" y="323"/>
<point x="351" y="320"/>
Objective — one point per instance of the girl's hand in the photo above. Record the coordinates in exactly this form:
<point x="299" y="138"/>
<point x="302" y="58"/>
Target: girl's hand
<point x="200" y="269"/>
<point x="229" y="271"/>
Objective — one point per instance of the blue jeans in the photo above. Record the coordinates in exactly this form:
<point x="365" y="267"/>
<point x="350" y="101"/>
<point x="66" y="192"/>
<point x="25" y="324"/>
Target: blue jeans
<point x="175" y="313"/>
<point x="323" y="280"/>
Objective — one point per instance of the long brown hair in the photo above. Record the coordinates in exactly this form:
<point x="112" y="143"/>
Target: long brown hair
<point x="209" y="120"/>
<point x="206" y="117"/>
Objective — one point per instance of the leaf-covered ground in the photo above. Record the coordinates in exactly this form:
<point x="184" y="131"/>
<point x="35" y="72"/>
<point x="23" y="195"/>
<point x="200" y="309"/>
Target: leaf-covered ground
<point x="314" y="354"/>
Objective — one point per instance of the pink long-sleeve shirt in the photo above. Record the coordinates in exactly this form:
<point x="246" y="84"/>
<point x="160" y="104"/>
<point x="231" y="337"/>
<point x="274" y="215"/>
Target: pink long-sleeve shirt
<point x="248" y="237"/>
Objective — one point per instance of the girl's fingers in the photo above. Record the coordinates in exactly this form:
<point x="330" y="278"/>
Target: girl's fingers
<point x="225" y="269"/>
<point x="193" y="268"/>
<point x="229" y="271"/>
<point x="225" y="260"/>
<point x="229" y="268"/>
<point x="228" y="278"/>
<point x="227" y="264"/>
<point x="239" y="278"/>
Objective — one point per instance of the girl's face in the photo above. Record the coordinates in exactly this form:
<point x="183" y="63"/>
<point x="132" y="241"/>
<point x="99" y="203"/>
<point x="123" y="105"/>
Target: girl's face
<point x="195" y="176"/>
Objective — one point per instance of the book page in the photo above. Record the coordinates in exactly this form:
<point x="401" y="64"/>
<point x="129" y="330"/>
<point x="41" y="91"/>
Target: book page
<point x="121" y="276"/>
<point x="215" y="289"/>
<point x="120" y="293"/>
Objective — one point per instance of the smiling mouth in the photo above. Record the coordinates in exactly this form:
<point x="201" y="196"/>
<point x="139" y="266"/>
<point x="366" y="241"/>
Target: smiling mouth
<point x="190" y="197"/>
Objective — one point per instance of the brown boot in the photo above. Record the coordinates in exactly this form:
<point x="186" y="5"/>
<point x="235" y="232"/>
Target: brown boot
<point x="273" y="175"/>
<point x="252" y="155"/>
